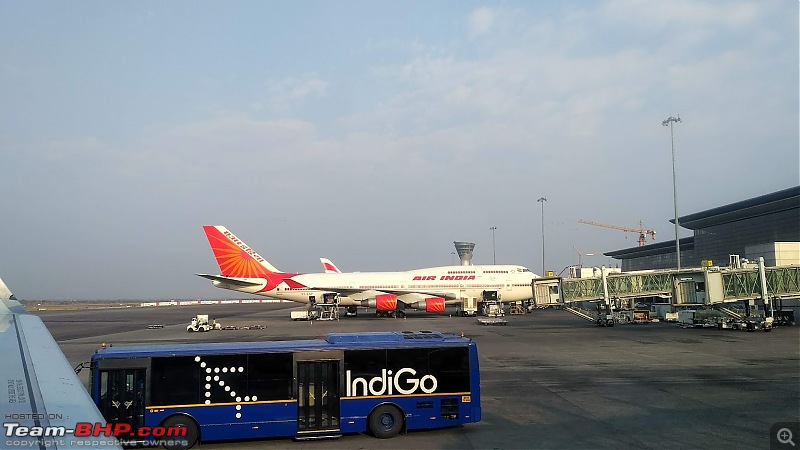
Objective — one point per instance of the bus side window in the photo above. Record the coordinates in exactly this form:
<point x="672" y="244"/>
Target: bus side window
<point x="451" y="367"/>
<point x="175" y="381"/>
<point x="364" y="364"/>
<point x="414" y="358"/>
<point x="269" y="376"/>
<point x="103" y="386"/>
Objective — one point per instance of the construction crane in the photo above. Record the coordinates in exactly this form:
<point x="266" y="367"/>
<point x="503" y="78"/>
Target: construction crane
<point x="642" y="232"/>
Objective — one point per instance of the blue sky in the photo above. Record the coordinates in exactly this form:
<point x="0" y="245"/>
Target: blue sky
<point x="373" y="133"/>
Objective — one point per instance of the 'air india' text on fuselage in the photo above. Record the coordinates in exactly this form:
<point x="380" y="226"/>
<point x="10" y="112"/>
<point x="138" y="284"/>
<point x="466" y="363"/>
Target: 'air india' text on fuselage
<point x="445" y="277"/>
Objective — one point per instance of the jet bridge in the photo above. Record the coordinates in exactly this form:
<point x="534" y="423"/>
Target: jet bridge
<point x="695" y="287"/>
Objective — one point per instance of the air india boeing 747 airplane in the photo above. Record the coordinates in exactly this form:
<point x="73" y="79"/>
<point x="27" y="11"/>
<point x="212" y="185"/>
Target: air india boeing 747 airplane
<point x="244" y="270"/>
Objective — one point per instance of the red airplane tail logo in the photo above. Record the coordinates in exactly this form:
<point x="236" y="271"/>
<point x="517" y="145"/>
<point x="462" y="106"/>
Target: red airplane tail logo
<point x="234" y="257"/>
<point x="237" y="260"/>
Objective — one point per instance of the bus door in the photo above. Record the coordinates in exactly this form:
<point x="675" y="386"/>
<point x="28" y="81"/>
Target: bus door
<point x="122" y="396"/>
<point x="317" y="392"/>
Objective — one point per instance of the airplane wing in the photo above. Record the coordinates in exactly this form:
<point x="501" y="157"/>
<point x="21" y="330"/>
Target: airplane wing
<point x="418" y="297"/>
<point x="402" y="295"/>
<point x="241" y="282"/>
<point x="410" y="297"/>
<point x="40" y="390"/>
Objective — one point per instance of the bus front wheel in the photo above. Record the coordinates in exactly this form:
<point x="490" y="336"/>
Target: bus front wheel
<point x="180" y="421"/>
<point x="385" y="421"/>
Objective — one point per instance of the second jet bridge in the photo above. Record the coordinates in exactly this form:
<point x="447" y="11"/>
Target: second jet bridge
<point x="680" y="288"/>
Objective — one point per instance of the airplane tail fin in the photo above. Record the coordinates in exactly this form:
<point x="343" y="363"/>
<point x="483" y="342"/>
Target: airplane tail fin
<point x="5" y="293"/>
<point x="329" y="266"/>
<point x="234" y="257"/>
<point x="8" y="303"/>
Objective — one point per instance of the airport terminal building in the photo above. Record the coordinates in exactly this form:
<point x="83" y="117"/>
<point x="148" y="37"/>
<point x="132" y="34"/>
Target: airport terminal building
<point x="766" y="226"/>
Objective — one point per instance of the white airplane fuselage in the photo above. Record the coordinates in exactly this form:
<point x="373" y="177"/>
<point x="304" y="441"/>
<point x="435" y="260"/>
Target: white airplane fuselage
<point x="512" y="283"/>
<point x="244" y="270"/>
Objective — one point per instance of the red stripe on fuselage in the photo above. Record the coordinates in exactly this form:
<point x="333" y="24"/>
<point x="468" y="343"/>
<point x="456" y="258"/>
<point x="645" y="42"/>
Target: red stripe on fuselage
<point x="294" y="284"/>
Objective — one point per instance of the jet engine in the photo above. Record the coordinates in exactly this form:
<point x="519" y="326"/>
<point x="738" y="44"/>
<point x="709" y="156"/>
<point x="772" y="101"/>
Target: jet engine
<point x="382" y="302"/>
<point x="430" y="304"/>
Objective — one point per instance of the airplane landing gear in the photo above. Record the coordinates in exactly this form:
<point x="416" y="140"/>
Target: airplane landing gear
<point x="394" y="314"/>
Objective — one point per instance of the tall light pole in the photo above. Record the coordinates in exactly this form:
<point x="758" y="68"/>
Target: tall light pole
<point x="494" y="256"/>
<point x="542" y="200"/>
<point x="669" y="121"/>
<point x="452" y="258"/>
<point x="580" y="264"/>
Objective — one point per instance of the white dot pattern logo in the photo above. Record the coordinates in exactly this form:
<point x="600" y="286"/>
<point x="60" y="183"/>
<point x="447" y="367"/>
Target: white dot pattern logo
<point x="222" y="384"/>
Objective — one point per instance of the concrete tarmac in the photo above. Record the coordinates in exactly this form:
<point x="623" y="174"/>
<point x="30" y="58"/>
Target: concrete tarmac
<point x="549" y="380"/>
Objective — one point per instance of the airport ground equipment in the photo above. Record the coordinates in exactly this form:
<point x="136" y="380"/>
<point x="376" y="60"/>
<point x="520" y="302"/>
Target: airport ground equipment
<point x="490" y="304"/>
<point x="200" y="323"/>
<point x="329" y="308"/>
<point x="784" y="318"/>
<point x="641" y="316"/>
<point x="303" y="314"/>
<point x="632" y="316"/>
<point x="468" y="307"/>
<point x="516" y="309"/>
<point x="493" y="321"/>
<point x="580" y="313"/>
<point x="605" y="314"/>
<point x="641" y="230"/>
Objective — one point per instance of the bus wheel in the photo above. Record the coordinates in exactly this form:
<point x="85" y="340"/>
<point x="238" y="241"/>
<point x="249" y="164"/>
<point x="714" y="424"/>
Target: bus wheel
<point x="180" y="442"/>
<point x="385" y="421"/>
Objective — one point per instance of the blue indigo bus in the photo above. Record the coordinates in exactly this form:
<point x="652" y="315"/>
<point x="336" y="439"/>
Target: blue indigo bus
<point x="380" y="382"/>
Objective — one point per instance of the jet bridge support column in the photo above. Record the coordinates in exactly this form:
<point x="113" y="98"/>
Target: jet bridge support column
<point x="605" y="310"/>
<point x="769" y="311"/>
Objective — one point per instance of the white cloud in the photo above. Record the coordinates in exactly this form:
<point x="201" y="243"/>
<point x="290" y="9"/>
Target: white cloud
<point x="481" y="21"/>
<point x="654" y="15"/>
<point x="282" y="94"/>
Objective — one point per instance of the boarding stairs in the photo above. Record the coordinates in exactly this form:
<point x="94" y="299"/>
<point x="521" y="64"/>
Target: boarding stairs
<point x="580" y="313"/>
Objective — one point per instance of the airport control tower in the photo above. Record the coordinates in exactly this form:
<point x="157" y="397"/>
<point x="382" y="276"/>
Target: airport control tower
<point x="464" y="250"/>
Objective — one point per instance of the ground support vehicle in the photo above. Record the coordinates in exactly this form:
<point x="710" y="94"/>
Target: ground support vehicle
<point x="200" y="323"/>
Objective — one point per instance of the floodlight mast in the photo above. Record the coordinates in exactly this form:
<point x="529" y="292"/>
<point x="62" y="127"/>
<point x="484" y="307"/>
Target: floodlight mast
<point x="542" y="200"/>
<point x="668" y="122"/>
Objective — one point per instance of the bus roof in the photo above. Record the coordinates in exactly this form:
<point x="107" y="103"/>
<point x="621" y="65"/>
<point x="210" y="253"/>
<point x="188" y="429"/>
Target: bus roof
<point x="334" y="341"/>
